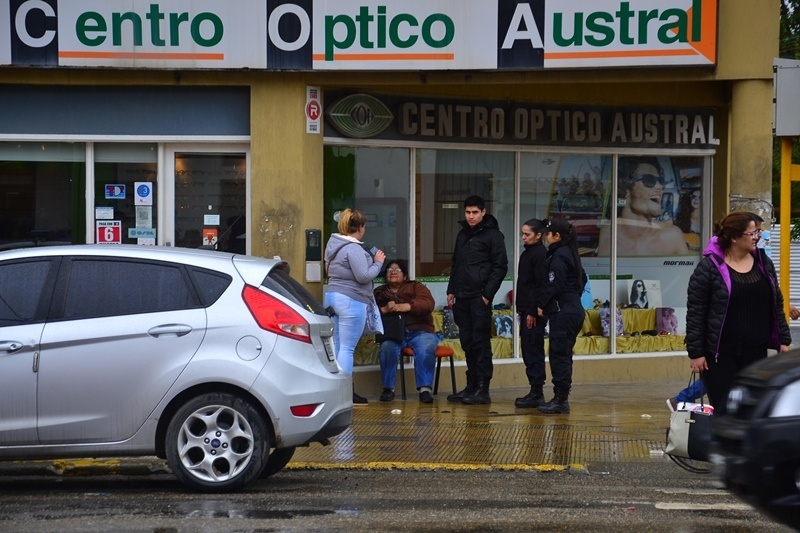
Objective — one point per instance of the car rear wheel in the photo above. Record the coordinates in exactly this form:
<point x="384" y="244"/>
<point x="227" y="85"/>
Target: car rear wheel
<point x="278" y="459"/>
<point x="217" y="442"/>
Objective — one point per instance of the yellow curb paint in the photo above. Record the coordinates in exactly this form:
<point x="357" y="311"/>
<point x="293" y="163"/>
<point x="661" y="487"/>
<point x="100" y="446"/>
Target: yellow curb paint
<point x="75" y="466"/>
<point x="453" y="467"/>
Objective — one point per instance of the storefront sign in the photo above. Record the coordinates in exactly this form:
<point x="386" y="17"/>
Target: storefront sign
<point x="143" y="193"/>
<point x="356" y="35"/>
<point x="487" y="122"/>
<point x="109" y="232"/>
<point x="139" y="233"/>
<point x="115" y="191"/>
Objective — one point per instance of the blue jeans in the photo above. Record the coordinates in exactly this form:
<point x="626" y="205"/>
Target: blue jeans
<point x="692" y="392"/>
<point x="348" y="327"/>
<point x="424" y="346"/>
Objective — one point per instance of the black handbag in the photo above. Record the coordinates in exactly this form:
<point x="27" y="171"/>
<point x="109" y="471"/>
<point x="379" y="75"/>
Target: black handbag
<point x="394" y="328"/>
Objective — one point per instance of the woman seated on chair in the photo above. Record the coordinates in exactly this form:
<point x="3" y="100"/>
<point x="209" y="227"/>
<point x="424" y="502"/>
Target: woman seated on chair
<point x="414" y="301"/>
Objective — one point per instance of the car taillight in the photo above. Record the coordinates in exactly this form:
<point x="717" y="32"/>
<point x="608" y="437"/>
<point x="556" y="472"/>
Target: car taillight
<point x="273" y="315"/>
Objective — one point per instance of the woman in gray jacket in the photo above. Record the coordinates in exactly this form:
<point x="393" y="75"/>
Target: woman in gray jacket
<point x="351" y="270"/>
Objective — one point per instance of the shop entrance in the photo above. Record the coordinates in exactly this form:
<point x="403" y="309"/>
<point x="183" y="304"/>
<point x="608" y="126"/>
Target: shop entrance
<point x="209" y="198"/>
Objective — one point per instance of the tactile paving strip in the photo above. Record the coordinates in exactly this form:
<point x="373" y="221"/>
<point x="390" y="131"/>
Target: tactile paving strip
<point x="487" y="435"/>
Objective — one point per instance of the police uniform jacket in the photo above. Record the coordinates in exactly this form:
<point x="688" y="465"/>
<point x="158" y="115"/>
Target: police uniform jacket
<point x="531" y="278"/>
<point x="562" y="290"/>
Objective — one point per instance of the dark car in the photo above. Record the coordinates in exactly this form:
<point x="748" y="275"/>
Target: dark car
<point x="757" y="444"/>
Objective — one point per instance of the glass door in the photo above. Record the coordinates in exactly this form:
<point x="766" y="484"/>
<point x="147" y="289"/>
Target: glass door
<point x="209" y="197"/>
<point x="125" y="208"/>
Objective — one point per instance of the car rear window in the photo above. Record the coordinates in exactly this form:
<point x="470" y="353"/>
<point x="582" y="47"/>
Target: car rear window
<point x="279" y="281"/>
<point x="210" y="285"/>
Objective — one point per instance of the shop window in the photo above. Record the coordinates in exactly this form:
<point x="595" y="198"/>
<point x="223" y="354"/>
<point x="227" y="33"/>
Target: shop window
<point x="374" y="181"/>
<point x="118" y="168"/>
<point x="658" y="235"/>
<point x="575" y="187"/>
<point x="651" y="206"/>
<point x="444" y="179"/>
<point x="42" y="193"/>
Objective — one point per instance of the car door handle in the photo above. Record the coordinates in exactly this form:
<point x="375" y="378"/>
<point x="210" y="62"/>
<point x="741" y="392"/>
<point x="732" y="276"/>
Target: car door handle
<point x="170" y="330"/>
<point x="10" y="346"/>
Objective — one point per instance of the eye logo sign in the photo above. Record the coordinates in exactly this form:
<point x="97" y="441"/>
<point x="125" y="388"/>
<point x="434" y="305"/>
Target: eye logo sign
<point x="360" y="116"/>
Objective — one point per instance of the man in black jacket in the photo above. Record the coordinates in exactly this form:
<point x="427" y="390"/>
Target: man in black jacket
<point x="479" y="265"/>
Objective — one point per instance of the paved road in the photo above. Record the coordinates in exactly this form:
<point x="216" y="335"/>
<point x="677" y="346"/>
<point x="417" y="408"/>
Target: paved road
<point x="609" y="497"/>
<point x="430" y="467"/>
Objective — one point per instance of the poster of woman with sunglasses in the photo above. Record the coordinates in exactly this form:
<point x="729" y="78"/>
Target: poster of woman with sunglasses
<point x="640" y="228"/>
<point x="688" y="218"/>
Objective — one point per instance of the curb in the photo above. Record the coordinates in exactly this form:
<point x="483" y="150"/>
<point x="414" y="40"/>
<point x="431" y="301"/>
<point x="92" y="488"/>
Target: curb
<point x="153" y="465"/>
<point x="86" y="467"/>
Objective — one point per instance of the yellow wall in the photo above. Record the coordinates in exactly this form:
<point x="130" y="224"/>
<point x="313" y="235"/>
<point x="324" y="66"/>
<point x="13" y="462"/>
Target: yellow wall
<point x="748" y="38"/>
<point x="286" y="173"/>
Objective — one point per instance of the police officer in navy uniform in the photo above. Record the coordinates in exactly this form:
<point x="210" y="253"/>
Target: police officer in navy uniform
<point x="531" y="279"/>
<point x="560" y="302"/>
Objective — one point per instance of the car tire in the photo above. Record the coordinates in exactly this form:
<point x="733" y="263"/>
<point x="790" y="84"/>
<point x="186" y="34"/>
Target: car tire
<point x="217" y="442"/>
<point x="278" y="459"/>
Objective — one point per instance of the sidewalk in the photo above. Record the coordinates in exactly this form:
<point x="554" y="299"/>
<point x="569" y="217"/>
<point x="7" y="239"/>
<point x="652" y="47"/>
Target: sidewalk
<point x="608" y="423"/>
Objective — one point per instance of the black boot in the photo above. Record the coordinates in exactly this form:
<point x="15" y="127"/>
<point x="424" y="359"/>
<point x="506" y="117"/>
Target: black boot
<point x="557" y="406"/>
<point x="534" y="398"/>
<point x="481" y="394"/>
<point x="466" y="391"/>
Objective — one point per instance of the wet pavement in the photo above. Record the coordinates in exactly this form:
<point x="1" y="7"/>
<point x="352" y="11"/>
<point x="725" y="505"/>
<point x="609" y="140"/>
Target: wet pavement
<point x="607" y="423"/>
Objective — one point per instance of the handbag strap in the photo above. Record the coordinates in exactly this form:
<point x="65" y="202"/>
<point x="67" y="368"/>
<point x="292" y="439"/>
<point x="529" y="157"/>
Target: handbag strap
<point x="692" y="380"/>
<point x="328" y="264"/>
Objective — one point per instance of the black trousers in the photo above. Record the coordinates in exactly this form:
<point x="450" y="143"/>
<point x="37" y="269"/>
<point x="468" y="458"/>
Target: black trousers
<point x="564" y="328"/>
<point x="721" y="373"/>
<point x="532" y="344"/>
<point x="474" y="321"/>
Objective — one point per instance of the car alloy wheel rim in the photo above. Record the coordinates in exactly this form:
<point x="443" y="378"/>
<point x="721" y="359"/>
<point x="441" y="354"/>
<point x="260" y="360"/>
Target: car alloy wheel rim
<point x="215" y="443"/>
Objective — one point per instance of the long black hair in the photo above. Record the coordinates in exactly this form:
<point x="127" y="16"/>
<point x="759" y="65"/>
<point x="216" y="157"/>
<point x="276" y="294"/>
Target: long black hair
<point x="569" y="237"/>
<point x="572" y="242"/>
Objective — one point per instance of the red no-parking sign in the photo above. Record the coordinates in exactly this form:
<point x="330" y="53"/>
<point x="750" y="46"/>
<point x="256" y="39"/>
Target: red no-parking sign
<point x="109" y="232"/>
<point x="313" y="110"/>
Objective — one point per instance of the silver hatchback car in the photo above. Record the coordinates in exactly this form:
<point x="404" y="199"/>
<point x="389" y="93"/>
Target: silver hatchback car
<point x="222" y="364"/>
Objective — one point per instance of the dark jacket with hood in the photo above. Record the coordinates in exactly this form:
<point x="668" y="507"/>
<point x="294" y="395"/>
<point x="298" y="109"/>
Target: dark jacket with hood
<point x="708" y="297"/>
<point x="531" y="278"/>
<point x="563" y="289"/>
<point x="479" y="260"/>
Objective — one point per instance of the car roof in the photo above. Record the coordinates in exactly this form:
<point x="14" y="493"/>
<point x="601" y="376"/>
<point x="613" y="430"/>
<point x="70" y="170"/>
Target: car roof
<point x="163" y="253"/>
<point x="775" y="371"/>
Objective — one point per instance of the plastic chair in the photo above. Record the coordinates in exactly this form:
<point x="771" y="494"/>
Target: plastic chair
<point x="441" y="353"/>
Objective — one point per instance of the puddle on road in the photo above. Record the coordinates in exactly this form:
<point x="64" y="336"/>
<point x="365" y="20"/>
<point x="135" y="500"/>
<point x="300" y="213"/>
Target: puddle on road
<point x="259" y="514"/>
